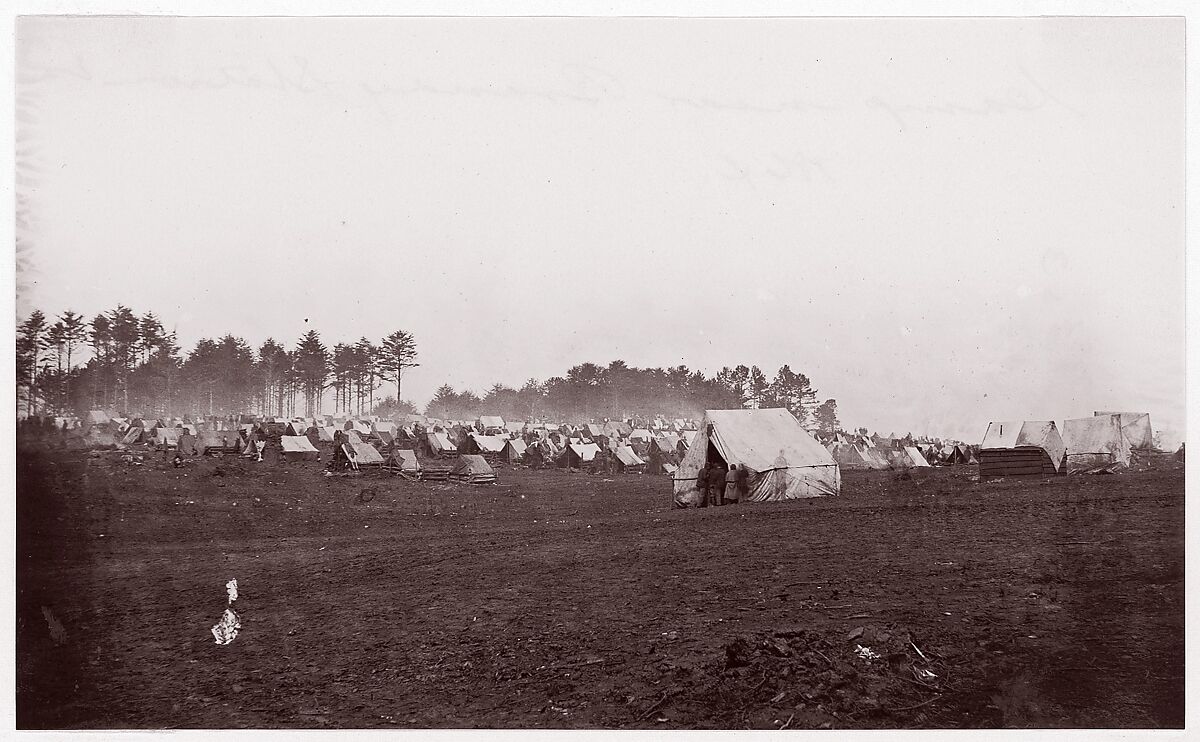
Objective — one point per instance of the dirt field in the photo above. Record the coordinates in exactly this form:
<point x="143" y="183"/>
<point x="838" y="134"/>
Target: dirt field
<point x="570" y="600"/>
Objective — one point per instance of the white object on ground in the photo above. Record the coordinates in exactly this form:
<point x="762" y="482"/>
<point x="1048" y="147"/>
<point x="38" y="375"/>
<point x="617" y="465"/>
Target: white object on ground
<point x="226" y="629"/>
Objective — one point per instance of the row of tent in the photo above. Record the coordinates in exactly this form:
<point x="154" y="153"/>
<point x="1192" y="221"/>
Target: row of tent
<point x="1105" y="440"/>
<point x="785" y="462"/>
<point x="489" y="434"/>
<point x="559" y="451"/>
<point x="858" y="456"/>
<point x="299" y="447"/>
<point x="486" y="424"/>
<point x="1008" y="448"/>
<point x="369" y="442"/>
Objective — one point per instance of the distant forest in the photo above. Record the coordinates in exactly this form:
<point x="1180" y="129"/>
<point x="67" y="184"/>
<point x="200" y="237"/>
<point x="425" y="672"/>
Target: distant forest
<point x="617" y="391"/>
<point x="128" y="363"/>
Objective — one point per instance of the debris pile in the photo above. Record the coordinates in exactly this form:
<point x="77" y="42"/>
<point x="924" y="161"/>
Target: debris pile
<point x="806" y="680"/>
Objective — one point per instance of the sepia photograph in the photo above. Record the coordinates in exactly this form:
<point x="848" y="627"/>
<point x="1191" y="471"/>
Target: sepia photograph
<point x="388" y="372"/>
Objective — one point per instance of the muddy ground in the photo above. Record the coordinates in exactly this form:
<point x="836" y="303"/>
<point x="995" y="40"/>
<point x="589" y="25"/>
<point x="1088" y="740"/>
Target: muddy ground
<point x="572" y="600"/>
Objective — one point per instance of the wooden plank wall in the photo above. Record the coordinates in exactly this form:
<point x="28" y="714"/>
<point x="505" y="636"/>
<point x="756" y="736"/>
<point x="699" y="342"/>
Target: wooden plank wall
<point x="1015" y="462"/>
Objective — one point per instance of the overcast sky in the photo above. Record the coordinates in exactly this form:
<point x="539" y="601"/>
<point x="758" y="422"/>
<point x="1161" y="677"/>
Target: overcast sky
<point x="942" y="222"/>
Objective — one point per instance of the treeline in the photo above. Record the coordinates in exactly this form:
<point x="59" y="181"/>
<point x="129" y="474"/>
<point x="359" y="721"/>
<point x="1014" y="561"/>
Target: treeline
<point x="618" y="391"/>
<point x="128" y="363"/>
<point x="134" y="365"/>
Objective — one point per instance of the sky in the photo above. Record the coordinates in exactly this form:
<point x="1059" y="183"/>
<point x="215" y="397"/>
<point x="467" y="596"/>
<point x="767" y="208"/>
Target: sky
<point x="941" y="222"/>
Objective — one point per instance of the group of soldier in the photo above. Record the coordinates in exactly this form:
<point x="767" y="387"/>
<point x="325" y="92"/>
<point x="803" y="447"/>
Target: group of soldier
<point x="720" y="486"/>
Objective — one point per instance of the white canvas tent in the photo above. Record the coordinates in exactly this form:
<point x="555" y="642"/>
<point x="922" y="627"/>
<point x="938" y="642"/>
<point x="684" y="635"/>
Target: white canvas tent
<point x="358" y="426"/>
<point x="514" y="449"/>
<point x="298" y="427"/>
<point x="667" y="441"/>
<point x="406" y="460"/>
<point x="875" y="456"/>
<point x="1095" y="441"/>
<point x="491" y="421"/>
<point x="783" y="460"/>
<point x="1136" y="427"/>
<point x="383" y="426"/>
<point x="473" y="469"/>
<point x="440" y="443"/>
<point x="488" y="444"/>
<point x="364" y="453"/>
<point x="626" y="457"/>
<point x="298" y="448"/>
<point x="914" y="458"/>
<point x="576" y="454"/>
<point x="616" y="429"/>
<point x="853" y="457"/>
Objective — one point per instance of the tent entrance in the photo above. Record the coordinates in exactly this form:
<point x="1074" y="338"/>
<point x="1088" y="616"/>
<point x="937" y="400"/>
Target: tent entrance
<point x="715" y="455"/>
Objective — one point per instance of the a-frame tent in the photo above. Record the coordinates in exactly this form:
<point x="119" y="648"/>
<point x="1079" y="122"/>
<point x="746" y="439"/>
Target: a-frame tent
<point x="440" y="444"/>
<point x="514" y="450"/>
<point x="848" y="456"/>
<point x="473" y="469"/>
<point x="783" y="461"/>
<point x="298" y="448"/>
<point x="404" y="460"/>
<point x="486" y="445"/>
<point x="576" y="454"/>
<point x="298" y="427"/>
<point x="625" y="459"/>
<point x="365" y="454"/>
<point x="910" y="457"/>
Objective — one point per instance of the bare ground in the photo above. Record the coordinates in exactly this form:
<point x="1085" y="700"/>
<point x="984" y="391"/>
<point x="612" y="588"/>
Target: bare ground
<point x="571" y="600"/>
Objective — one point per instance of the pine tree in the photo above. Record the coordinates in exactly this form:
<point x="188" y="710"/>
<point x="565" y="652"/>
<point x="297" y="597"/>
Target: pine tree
<point x="444" y="402"/>
<point x="397" y="353"/>
<point x="825" y="416"/>
<point x="312" y="368"/>
<point x="31" y="341"/>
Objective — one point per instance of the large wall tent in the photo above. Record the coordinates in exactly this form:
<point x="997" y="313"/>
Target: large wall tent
<point x="1095" y="441"/>
<point x="1136" y="427"/>
<point x="783" y="460"/>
